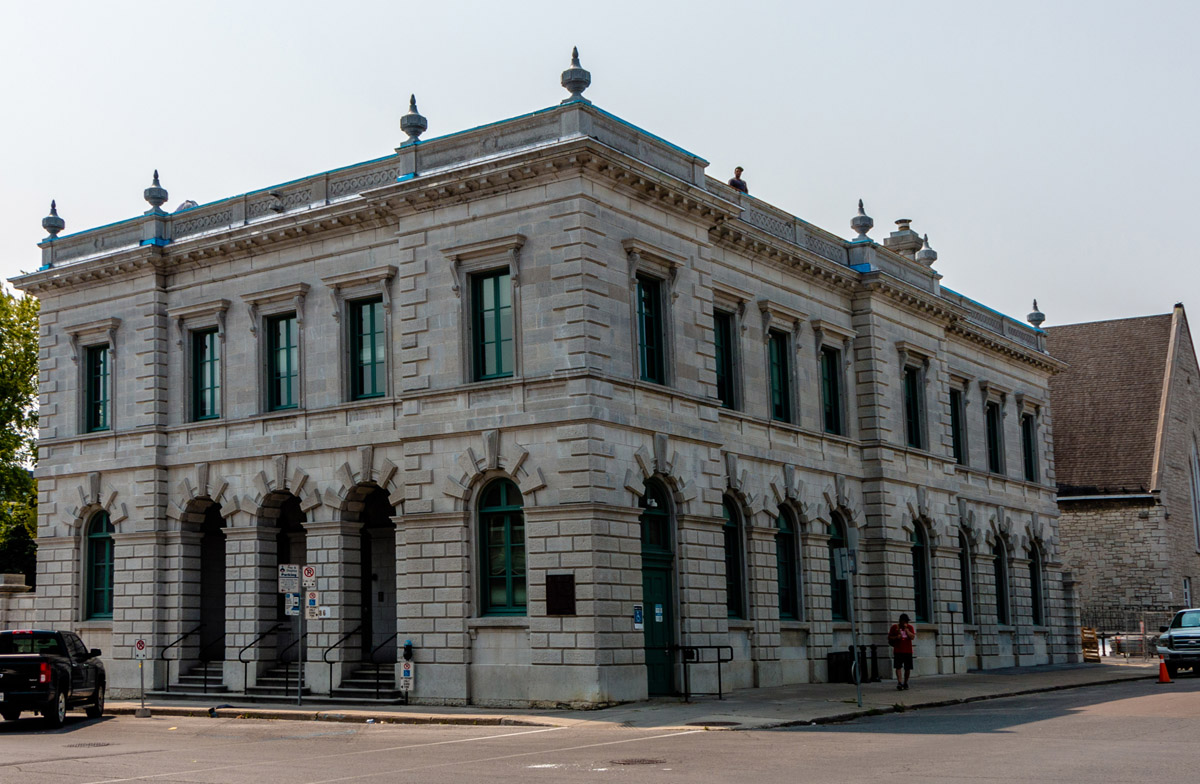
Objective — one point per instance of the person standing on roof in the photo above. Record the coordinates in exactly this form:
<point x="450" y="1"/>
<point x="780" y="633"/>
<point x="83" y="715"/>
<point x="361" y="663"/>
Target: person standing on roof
<point x="737" y="182"/>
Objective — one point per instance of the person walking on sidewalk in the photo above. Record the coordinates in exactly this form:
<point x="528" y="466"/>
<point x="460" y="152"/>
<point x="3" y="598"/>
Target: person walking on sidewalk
<point x="901" y="637"/>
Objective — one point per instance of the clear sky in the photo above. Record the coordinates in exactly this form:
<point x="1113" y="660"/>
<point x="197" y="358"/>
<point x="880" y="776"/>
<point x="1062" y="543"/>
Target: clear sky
<point x="1048" y="148"/>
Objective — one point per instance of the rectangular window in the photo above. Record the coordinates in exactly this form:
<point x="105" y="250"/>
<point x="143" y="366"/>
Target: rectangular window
<point x="492" y="314"/>
<point x="97" y="387"/>
<point x="831" y="390"/>
<point x="283" y="362"/>
<point x="206" y="375"/>
<point x="914" y="405"/>
<point x="995" y="437"/>
<point x="958" y="434"/>
<point x="1029" y="447"/>
<point x="368" y="370"/>
<point x="781" y="376"/>
<point x="1187" y="592"/>
<point x="723" y="351"/>
<point x="651" y="337"/>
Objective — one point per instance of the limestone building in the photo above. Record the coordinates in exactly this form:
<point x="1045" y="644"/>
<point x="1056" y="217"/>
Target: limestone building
<point x="1127" y="427"/>
<point x="504" y="385"/>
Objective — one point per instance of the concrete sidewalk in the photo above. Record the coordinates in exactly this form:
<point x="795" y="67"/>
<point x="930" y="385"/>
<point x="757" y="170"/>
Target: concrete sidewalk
<point x="814" y="703"/>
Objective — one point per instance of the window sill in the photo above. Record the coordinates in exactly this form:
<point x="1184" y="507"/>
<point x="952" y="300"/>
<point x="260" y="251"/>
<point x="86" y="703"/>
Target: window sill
<point x="794" y="626"/>
<point x="499" y="622"/>
<point x="95" y="624"/>
<point x="741" y="624"/>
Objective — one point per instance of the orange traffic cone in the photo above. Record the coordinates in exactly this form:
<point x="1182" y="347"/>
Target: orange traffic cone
<point x="1163" y="675"/>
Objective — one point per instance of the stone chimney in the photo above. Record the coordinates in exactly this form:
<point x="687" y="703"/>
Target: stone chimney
<point x="904" y="240"/>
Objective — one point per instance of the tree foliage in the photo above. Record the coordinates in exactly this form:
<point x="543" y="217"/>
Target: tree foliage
<point x="18" y="432"/>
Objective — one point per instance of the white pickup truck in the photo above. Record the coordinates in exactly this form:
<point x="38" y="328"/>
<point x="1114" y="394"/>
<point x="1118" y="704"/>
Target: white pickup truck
<point x="1179" y="643"/>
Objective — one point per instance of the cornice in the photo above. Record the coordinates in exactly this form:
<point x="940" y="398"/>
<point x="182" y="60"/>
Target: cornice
<point x="745" y="238"/>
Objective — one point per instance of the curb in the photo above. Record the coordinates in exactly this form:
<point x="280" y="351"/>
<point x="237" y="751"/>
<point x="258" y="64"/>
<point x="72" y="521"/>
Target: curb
<point x="858" y="714"/>
<point x="348" y="718"/>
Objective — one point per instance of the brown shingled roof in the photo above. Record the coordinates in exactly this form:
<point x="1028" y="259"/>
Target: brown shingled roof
<point x="1106" y="404"/>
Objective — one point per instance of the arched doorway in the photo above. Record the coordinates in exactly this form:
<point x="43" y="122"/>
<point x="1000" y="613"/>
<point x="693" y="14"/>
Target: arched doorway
<point x="377" y="556"/>
<point x="658" y="561"/>
<point x="212" y="585"/>
<point x="291" y="547"/>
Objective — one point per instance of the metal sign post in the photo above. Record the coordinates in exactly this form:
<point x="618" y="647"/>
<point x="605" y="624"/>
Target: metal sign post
<point x="139" y="653"/>
<point x="952" y="607"/>
<point x="300" y="654"/>
<point x="847" y="566"/>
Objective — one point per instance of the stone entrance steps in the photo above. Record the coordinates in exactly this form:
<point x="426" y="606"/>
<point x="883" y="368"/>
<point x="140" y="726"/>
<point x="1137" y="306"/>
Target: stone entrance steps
<point x="368" y="684"/>
<point x="192" y="683"/>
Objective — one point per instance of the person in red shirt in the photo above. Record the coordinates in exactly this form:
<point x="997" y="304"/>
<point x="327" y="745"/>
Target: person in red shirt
<point x="901" y="637"/>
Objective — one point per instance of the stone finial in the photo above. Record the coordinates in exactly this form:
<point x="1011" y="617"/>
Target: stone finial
<point x="926" y="255"/>
<point x="52" y="223"/>
<point x="156" y="195"/>
<point x="414" y="123"/>
<point x="1037" y="317"/>
<point x="575" y="79"/>
<point x="861" y="223"/>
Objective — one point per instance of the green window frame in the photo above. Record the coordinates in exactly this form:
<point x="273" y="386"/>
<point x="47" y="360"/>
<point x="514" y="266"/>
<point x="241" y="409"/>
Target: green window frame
<point x="958" y="435"/>
<point x="492" y="323"/>
<point x="780" y="376"/>
<point x="1000" y="571"/>
<point x="1029" y="447"/>
<point x="655" y="520"/>
<point x="206" y="375"/>
<point x="283" y="362"/>
<point x="922" y="606"/>
<point x="786" y="567"/>
<point x="650" y="333"/>
<point x="831" y="390"/>
<point x="914" y="414"/>
<point x="502" y="549"/>
<point x="1036" y="606"/>
<point x="735" y="600"/>
<point x="99" y="566"/>
<point x="839" y="590"/>
<point x="368" y="350"/>
<point x="995" y="437"/>
<point x="723" y="356"/>
<point x="98" y="378"/>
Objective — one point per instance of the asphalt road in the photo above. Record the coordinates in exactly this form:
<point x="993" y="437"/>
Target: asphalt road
<point x="1131" y="732"/>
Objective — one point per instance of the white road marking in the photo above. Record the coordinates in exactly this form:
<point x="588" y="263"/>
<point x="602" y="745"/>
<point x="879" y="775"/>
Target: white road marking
<point x="325" y="756"/>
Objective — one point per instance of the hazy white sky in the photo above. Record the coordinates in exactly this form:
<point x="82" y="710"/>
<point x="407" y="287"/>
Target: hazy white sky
<point x="1048" y="148"/>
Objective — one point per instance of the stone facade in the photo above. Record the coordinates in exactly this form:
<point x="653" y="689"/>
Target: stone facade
<point x="576" y="205"/>
<point x="1133" y="540"/>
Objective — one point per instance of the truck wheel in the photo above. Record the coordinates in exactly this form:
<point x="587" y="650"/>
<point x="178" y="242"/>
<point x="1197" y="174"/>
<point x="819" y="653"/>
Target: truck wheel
<point x="56" y="712"/>
<point x="10" y="714"/>
<point x="96" y="709"/>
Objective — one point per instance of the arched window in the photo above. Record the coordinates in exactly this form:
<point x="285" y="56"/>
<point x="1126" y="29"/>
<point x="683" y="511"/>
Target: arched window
<point x="502" y="548"/>
<point x="99" y="566"/>
<point x="656" y="519"/>
<point x="965" y="584"/>
<point x="922" y="606"/>
<point x="787" y="566"/>
<point x="735" y="599"/>
<point x="1000" y="568"/>
<point x="839" y="593"/>
<point x="1035" y="586"/>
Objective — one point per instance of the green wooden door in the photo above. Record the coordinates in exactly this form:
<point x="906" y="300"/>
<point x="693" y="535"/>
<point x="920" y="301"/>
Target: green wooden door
<point x="659" y="625"/>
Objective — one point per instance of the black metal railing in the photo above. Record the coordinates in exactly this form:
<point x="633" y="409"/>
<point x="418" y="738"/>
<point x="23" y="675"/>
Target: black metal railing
<point x="205" y="659"/>
<point x="163" y="653"/>
<point x="371" y="658"/>
<point x="248" y="646"/>
<point x="287" y="665"/>
<point x="691" y="655"/>
<point x="340" y="642"/>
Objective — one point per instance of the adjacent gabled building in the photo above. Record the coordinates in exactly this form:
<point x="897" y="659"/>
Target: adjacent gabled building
<point x="549" y="401"/>
<point x="1127" y="422"/>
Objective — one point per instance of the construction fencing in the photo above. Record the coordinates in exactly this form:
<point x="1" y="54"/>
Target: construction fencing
<point x="1127" y="632"/>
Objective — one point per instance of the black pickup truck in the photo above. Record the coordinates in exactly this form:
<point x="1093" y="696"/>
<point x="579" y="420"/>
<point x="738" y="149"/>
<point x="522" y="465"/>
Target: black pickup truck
<point x="48" y="672"/>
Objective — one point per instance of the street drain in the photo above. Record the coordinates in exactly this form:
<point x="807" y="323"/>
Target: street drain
<point x="714" y="724"/>
<point x="638" y="761"/>
<point x="95" y="745"/>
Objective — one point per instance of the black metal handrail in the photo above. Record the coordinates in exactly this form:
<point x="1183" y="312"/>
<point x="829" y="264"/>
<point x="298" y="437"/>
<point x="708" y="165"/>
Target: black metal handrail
<point x="371" y="658"/>
<point x="692" y="654"/>
<point x="163" y="653"/>
<point x="251" y="644"/>
<point x="287" y="665"/>
<point x="205" y="660"/>
<point x="331" y="648"/>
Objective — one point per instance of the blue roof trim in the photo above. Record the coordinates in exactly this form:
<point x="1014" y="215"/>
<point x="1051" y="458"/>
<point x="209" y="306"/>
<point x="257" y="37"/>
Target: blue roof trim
<point x="96" y="228"/>
<point x="656" y="137"/>
<point x="1004" y="316"/>
<point x="866" y="267"/>
<point x="157" y="241"/>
